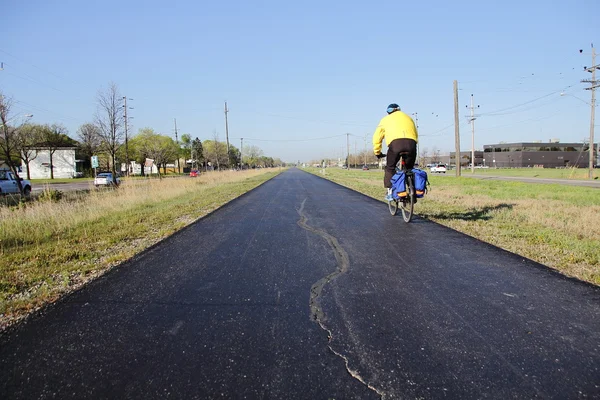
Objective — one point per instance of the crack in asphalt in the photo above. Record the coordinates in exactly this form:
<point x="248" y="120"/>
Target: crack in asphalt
<point x="316" y="311"/>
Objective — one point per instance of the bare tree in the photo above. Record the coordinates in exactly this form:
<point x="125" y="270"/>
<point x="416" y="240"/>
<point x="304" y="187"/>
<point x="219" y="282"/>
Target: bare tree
<point x="55" y="136"/>
<point x="29" y="137"/>
<point x="8" y="139"/>
<point x="89" y="139"/>
<point x="436" y="154"/>
<point x="424" y="156"/>
<point x="220" y="151"/>
<point x="110" y="120"/>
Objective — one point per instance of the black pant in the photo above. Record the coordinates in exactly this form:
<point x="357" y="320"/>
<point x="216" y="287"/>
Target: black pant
<point x="406" y="147"/>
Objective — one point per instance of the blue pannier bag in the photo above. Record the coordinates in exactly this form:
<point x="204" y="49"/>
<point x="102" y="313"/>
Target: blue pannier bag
<point x="421" y="182"/>
<point x="398" y="185"/>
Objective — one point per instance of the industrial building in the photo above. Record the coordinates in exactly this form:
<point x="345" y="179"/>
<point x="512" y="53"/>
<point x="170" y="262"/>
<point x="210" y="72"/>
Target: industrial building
<point x="537" y="154"/>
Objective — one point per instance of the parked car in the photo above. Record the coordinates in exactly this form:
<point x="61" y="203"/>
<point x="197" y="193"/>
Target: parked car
<point x="8" y="183"/>
<point x="106" y="179"/>
<point x="365" y="168"/>
<point x="438" y="168"/>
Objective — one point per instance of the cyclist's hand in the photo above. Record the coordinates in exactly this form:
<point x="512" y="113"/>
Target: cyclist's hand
<point x="380" y="155"/>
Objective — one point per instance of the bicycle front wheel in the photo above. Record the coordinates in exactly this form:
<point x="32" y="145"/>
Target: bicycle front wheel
<point x="408" y="204"/>
<point x="393" y="206"/>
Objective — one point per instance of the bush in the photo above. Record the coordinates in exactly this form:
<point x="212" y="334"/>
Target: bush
<point x="50" y="195"/>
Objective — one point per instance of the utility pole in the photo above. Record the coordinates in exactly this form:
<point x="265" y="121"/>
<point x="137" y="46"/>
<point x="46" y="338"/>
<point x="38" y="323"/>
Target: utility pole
<point x="348" y="150"/>
<point x="472" y="122"/>
<point x="227" y="132"/>
<point x="242" y="153"/>
<point x="355" y="153"/>
<point x="126" y="134"/>
<point x="417" y="126"/>
<point x="177" y="141"/>
<point x="365" y="150"/>
<point x="593" y="85"/>
<point x="456" y="130"/>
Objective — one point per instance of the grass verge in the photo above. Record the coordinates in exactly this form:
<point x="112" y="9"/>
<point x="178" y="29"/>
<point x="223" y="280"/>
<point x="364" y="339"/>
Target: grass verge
<point x="552" y="224"/>
<point x="50" y="248"/>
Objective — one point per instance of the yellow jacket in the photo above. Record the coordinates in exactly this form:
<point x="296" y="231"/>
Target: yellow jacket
<point x="396" y="125"/>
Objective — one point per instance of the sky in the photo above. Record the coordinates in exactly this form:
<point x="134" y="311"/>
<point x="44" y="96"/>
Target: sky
<point x="299" y="76"/>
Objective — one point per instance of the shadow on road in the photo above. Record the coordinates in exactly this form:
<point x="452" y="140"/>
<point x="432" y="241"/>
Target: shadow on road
<point x="477" y="214"/>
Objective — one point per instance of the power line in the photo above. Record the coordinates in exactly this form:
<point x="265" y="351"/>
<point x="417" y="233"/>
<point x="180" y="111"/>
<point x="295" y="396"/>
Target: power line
<point x="309" y="120"/>
<point x="554" y="114"/>
<point x="46" y="110"/>
<point x="292" y="140"/>
<point x="31" y="79"/>
<point x="525" y="103"/>
<point x="35" y="66"/>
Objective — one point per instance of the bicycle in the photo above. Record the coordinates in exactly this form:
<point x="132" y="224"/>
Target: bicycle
<point x="406" y="203"/>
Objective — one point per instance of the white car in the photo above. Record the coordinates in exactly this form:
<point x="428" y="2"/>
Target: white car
<point x="438" y="168"/>
<point x="105" y="179"/>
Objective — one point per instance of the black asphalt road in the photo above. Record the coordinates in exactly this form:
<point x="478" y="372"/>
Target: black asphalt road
<point x="304" y="289"/>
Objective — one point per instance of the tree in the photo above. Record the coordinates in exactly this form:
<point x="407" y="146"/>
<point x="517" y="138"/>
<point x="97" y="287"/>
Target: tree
<point x="89" y="140"/>
<point x="109" y="120"/>
<point x="29" y="137"/>
<point x="436" y="154"/>
<point x="8" y="143"/>
<point x="234" y="156"/>
<point x="54" y="136"/>
<point x="149" y="144"/>
<point x="137" y="147"/>
<point x="186" y="146"/>
<point x="424" y="155"/>
<point x="215" y="151"/>
<point x="220" y="151"/>
<point x="169" y="150"/>
<point x="252" y="155"/>
<point x="197" y="152"/>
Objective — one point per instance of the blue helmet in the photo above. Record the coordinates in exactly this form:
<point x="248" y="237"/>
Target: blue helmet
<point x="393" y="107"/>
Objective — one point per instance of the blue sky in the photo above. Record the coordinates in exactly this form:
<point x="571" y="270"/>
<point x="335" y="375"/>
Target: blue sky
<point x="304" y="70"/>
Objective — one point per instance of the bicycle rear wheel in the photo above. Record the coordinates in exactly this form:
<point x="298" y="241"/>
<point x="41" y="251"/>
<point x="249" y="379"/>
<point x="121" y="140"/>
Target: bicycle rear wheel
<point x="408" y="204"/>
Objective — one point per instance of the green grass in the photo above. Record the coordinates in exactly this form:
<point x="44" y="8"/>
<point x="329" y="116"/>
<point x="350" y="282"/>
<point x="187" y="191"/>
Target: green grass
<point x="544" y="173"/>
<point x="553" y="224"/>
<point x="49" y="248"/>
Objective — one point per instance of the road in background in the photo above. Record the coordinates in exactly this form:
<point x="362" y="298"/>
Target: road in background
<point x="305" y="289"/>
<point x="571" y="182"/>
<point x="64" y="187"/>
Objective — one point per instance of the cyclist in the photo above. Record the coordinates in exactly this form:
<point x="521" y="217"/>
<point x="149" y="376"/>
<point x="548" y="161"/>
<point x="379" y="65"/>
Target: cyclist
<point x="401" y="136"/>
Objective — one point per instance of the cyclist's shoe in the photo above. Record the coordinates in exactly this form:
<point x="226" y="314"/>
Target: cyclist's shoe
<point x="388" y="196"/>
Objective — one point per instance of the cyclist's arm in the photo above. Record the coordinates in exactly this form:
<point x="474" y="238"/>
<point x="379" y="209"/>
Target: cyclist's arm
<point x="377" y="139"/>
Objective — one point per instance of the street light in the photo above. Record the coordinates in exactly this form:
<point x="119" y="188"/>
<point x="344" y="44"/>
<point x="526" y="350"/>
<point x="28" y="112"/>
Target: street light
<point x="567" y="94"/>
<point x="27" y="116"/>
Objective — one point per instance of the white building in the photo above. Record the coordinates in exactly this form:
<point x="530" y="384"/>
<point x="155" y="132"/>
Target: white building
<point x="136" y="169"/>
<point x="63" y="160"/>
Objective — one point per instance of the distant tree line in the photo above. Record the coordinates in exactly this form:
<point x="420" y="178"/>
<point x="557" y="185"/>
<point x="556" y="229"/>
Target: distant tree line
<point x="105" y="137"/>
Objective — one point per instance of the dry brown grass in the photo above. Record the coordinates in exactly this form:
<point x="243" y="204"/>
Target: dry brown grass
<point x="49" y="248"/>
